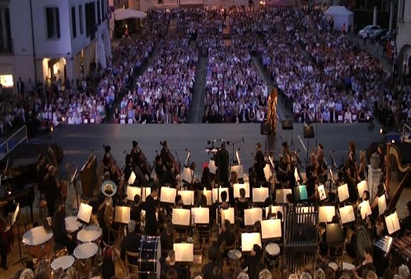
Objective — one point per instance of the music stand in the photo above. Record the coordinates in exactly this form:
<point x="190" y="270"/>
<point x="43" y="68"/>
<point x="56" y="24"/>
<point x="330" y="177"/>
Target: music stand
<point x="168" y="195"/>
<point x="365" y="209"/>
<point x="301" y="193"/>
<point x="212" y="166"/>
<point x="260" y="194"/>
<point x="308" y="132"/>
<point x="393" y="223"/>
<point x="271" y="229"/>
<point x="181" y="217"/>
<point x="343" y="193"/>
<point x="84" y="213"/>
<point x="217" y="194"/>
<point x="208" y="194"/>
<point x="326" y="213"/>
<point x="347" y="214"/>
<point x="238" y="186"/>
<point x="362" y="186"/>
<point x="334" y="234"/>
<point x="248" y="240"/>
<point x="122" y="214"/>
<point x="145" y="192"/>
<point x="252" y="215"/>
<point x="321" y="192"/>
<point x="382" y="205"/>
<point x="132" y="178"/>
<point x="239" y="170"/>
<point x="281" y="195"/>
<point x="184" y="252"/>
<point x="228" y="214"/>
<point x="15" y="218"/>
<point x="275" y="209"/>
<point x="132" y="192"/>
<point x="201" y="215"/>
<point x="187" y="197"/>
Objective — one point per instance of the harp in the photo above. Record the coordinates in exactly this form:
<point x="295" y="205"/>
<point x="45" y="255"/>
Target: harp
<point x="392" y="151"/>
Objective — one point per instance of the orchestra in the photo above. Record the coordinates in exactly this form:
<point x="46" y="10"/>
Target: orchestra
<point x="232" y="202"/>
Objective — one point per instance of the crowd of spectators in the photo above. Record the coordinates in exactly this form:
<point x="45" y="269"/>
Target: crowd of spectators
<point x="164" y="91"/>
<point x="322" y="75"/>
<point x="235" y="91"/>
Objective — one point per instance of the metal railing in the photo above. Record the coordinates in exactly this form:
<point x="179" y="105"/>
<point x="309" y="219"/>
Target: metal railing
<point x="11" y="142"/>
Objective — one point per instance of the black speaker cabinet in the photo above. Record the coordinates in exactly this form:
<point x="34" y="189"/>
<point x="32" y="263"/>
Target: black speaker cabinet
<point x="308" y="132"/>
<point x="287" y="125"/>
<point x="265" y="129"/>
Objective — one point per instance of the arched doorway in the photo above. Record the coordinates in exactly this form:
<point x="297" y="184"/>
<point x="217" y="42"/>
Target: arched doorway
<point x="404" y="58"/>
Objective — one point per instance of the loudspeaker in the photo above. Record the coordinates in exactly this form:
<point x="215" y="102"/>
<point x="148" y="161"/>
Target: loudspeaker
<point x="265" y="129"/>
<point x="287" y="124"/>
<point x="308" y="132"/>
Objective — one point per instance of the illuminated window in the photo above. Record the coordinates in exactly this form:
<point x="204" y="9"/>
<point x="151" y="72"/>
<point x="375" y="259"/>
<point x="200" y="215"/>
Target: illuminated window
<point x="6" y="80"/>
<point x="53" y="23"/>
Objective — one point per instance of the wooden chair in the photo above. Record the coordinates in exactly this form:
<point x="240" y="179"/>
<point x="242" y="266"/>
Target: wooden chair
<point x="132" y="268"/>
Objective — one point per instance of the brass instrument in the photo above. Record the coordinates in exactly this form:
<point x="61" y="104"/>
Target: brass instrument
<point x="109" y="189"/>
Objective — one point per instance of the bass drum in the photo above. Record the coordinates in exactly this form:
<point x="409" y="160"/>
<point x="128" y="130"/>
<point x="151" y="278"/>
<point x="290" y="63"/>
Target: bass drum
<point x="150" y="252"/>
<point x="362" y="240"/>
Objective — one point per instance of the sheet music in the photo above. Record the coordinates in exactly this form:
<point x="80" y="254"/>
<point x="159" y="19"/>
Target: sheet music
<point x="260" y="194"/>
<point x="186" y="175"/>
<point x="184" y="252"/>
<point x="187" y="196"/>
<point x="122" y="214"/>
<point x="145" y="192"/>
<point x="84" y="213"/>
<point x="362" y="186"/>
<point x="239" y="170"/>
<point x="267" y="171"/>
<point x="326" y="213"/>
<point x="274" y="210"/>
<point x="365" y="209"/>
<point x="212" y="166"/>
<point x="181" y="217"/>
<point x="382" y="205"/>
<point x="132" y="178"/>
<point x="347" y="214"/>
<point x="208" y="194"/>
<point x="271" y="228"/>
<point x="248" y="240"/>
<point x="238" y="186"/>
<point x="321" y="192"/>
<point x="393" y="223"/>
<point x="201" y="215"/>
<point x="228" y="214"/>
<point x="252" y="215"/>
<point x="168" y="195"/>
<point x="132" y="191"/>
<point x="281" y="195"/>
<point x="348" y="266"/>
<point x="217" y="194"/>
<point x="343" y="193"/>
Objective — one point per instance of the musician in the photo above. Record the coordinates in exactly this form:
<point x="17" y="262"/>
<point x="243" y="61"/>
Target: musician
<point x="131" y="242"/>
<point x="351" y="160"/>
<point x="352" y="185"/>
<point x="285" y="168"/>
<point x="169" y="263"/>
<point x="165" y="155"/>
<point x="194" y="183"/>
<point x="151" y="220"/>
<point x="242" y="204"/>
<point x="253" y="262"/>
<point x="5" y="245"/>
<point x="140" y="160"/>
<point x="212" y="263"/>
<point x="128" y="168"/>
<point x="206" y="181"/>
<point x="225" y="234"/>
<point x="168" y="177"/>
<point x="224" y="204"/>
<point x="222" y="162"/>
<point x="61" y="236"/>
<point x="159" y="167"/>
<point x="406" y="222"/>
<point x="52" y="189"/>
<point x="259" y="164"/>
<point x="367" y="265"/>
<point x="381" y="154"/>
<point x="362" y="167"/>
<point x="41" y="171"/>
<point x="107" y="158"/>
<point x="135" y="213"/>
<point x="166" y="238"/>
<point x="115" y="174"/>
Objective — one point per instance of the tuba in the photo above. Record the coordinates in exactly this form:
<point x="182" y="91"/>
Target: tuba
<point x="109" y="189"/>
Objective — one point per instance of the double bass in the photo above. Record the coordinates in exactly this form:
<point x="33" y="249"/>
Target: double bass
<point x="166" y="156"/>
<point x="144" y="164"/>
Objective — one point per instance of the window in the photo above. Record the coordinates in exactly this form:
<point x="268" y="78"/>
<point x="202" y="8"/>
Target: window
<point x="98" y="13"/>
<point x="90" y="19"/>
<point x="5" y="34"/>
<point x="53" y="23"/>
<point x="80" y="15"/>
<point x="73" y="22"/>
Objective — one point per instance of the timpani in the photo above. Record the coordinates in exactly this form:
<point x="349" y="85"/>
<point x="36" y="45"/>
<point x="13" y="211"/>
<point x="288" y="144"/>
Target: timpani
<point x="38" y="241"/>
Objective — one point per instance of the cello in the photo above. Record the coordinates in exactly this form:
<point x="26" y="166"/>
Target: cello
<point x="144" y="164"/>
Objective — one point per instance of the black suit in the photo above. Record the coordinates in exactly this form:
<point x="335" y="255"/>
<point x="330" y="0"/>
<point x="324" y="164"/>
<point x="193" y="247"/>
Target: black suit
<point x="222" y="162"/>
<point x="259" y="166"/>
<point x="228" y="237"/>
<point x="166" y="242"/>
<point x="151" y="220"/>
<point x="130" y="243"/>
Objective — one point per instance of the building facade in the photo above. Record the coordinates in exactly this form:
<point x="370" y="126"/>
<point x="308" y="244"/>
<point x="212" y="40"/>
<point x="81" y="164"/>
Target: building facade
<point x="404" y="35"/>
<point x="45" y="40"/>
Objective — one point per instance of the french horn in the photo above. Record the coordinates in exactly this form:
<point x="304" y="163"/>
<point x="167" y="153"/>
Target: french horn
<point x="109" y="188"/>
